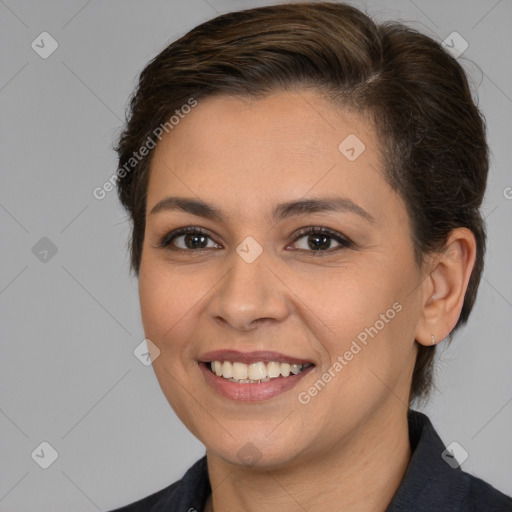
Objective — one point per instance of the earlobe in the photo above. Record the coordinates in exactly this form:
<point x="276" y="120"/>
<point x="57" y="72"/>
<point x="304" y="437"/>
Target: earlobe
<point x="445" y="287"/>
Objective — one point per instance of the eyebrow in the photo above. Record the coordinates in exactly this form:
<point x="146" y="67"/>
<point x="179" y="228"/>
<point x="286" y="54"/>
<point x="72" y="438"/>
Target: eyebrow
<point x="280" y="211"/>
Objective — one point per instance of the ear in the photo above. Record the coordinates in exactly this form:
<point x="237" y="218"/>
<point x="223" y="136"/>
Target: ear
<point x="445" y="286"/>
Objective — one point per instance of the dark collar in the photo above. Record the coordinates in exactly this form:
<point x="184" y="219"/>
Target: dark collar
<point x="430" y="483"/>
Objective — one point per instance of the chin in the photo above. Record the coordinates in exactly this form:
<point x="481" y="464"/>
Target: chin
<point x="254" y="450"/>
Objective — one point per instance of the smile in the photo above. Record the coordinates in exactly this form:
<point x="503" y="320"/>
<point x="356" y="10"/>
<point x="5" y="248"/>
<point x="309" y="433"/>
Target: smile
<point x="254" y="373"/>
<point x="252" y="376"/>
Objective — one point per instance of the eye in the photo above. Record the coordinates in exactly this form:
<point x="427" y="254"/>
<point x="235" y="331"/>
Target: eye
<point x="188" y="239"/>
<point x="315" y="239"/>
<point x="320" y="239"/>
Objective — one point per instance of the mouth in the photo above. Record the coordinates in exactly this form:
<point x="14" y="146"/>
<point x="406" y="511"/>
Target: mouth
<point x="252" y="376"/>
<point x="254" y="373"/>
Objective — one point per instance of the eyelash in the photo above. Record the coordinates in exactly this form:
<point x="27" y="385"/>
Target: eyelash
<point x="166" y="241"/>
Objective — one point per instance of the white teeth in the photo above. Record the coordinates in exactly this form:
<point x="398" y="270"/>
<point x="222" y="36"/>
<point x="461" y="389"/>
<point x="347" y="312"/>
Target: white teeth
<point x="240" y="371"/>
<point x="285" y="369"/>
<point x="257" y="371"/>
<point x="254" y="372"/>
<point x="273" y="369"/>
<point x="295" y="368"/>
<point x="227" y="370"/>
<point x="217" y="368"/>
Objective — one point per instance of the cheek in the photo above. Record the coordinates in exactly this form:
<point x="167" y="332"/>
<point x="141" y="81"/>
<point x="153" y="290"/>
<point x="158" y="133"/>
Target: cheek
<point x="348" y="299"/>
<point x="368" y="322"/>
<point x="167" y="301"/>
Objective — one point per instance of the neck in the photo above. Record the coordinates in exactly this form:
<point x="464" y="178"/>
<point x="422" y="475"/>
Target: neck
<point x="359" y="474"/>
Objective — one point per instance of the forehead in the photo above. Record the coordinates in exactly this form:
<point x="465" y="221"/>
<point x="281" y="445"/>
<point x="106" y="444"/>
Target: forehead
<point x="287" y="145"/>
<point x="300" y="123"/>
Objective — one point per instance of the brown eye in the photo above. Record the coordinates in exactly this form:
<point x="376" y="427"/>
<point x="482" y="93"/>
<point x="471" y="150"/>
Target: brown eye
<point x="320" y="240"/>
<point x="187" y="239"/>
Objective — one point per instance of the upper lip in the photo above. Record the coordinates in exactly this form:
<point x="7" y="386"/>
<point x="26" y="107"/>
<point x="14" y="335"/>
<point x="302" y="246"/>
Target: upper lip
<point x="250" y="357"/>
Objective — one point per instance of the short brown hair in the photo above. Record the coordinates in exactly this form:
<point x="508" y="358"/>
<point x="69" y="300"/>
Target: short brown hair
<point x="416" y="94"/>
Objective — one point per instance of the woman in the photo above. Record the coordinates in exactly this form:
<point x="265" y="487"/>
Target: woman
<point x="305" y="190"/>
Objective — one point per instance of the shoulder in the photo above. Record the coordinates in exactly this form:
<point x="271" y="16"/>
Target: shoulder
<point x="150" y="503"/>
<point x="434" y="479"/>
<point x="483" y="496"/>
<point x="187" y="494"/>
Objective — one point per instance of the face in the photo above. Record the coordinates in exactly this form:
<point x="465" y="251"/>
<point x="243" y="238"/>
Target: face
<point x="296" y="268"/>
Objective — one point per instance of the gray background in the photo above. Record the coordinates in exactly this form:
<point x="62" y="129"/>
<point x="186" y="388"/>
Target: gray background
<point x="69" y="321"/>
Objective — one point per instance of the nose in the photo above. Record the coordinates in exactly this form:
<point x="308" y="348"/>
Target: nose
<point x="249" y="294"/>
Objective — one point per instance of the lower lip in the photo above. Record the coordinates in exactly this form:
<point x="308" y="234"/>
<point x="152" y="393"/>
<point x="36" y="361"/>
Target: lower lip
<point x="251" y="392"/>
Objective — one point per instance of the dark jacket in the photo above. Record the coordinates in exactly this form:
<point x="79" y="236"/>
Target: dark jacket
<point x="433" y="482"/>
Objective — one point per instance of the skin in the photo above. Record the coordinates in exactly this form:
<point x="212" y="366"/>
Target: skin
<point x="245" y="156"/>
